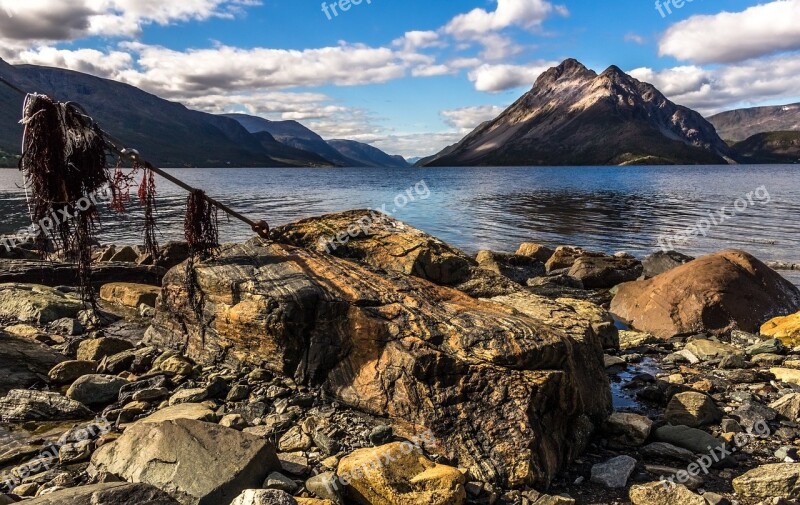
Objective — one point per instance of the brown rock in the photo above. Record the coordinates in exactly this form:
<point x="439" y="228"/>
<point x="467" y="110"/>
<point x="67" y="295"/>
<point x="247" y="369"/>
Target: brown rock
<point x="716" y="293"/>
<point x="603" y="272"/>
<point x="692" y="409"/>
<point x="130" y="294"/>
<point x="517" y="268"/>
<point x="399" y="474"/>
<point x="566" y="256"/>
<point x="785" y="328"/>
<point x="426" y="356"/>
<point x="536" y="251"/>
<point x="98" y="348"/>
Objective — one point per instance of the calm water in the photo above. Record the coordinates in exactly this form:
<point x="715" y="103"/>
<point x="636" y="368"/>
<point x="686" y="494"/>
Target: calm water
<point x="601" y="208"/>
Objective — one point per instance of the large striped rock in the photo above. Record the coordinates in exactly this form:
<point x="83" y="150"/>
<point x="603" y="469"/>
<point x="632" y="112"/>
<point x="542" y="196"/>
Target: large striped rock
<point x="505" y="393"/>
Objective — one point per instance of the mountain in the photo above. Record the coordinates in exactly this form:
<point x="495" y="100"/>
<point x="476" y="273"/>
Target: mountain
<point x="366" y="155"/>
<point x="770" y="147"/>
<point x="740" y="124"/>
<point x="287" y="154"/>
<point x="166" y="133"/>
<point x="573" y="116"/>
<point x="293" y="134"/>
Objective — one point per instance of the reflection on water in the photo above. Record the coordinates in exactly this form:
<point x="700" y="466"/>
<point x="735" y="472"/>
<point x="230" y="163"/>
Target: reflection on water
<point x="601" y="208"/>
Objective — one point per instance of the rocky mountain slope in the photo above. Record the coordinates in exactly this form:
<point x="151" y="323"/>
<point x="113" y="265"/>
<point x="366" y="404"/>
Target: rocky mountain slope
<point x="167" y="133"/>
<point x="573" y="116"/>
<point x="367" y="155"/>
<point x="343" y="153"/>
<point x="740" y="124"/>
<point x="770" y="147"/>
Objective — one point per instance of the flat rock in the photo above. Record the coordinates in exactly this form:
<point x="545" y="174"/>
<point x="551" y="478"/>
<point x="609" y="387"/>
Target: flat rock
<point x="32" y="303"/>
<point x="663" y="493"/>
<point x="130" y="294"/>
<point x="536" y="251"/>
<point x="769" y="481"/>
<point x="98" y="348"/>
<point x="114" y="493"/>
<point x="614" y="473"/>
<point x="398" y="473"/>
<point x="196" y="463"/>
<point x="193" y="411"/>
<point x="706" y="349"/>
<point x="371" y="338"/>
<point x="21" y="405"/>
<point x="787" y="406"/>
<point x="718" y="293"/>
<point x="663" y="450"/>
<point x="790" y="375"/>
<point x="65" y="274"/>
<point x="24" y="363"/>
<point x="517" y="268"/>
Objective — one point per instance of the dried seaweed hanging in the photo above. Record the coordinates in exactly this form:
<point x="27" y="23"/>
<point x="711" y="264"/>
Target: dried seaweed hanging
<point x="147" y="197"/>
<point x="64" y="163"/>
<point x="202" y="236"/>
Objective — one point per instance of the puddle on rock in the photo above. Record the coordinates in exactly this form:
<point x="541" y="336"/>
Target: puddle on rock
<point x="624" y="399"/>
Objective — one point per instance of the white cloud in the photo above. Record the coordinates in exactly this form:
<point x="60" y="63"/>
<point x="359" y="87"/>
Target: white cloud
<point x="528" y="14"/>
<point x="722" y="88"/>
<point x="467" y="119"/>
<point x="635" y="38"/>
<point x="40" y="21"/>
<point x="728" y="37"/>
<point x="494" y="78"/>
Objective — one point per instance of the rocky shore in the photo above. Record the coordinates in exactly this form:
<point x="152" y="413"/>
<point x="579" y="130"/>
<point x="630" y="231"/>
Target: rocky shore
<point x="395" y="369"/>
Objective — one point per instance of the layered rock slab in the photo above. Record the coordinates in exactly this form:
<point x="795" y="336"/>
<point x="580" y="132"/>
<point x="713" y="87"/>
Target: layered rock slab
<point x="504" y="393"/>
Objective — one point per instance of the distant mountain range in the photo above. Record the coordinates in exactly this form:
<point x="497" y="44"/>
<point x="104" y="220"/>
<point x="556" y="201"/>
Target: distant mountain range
<point x="738" y="125"/>
<point x="167" y="133"/>
<point x="573" y="116"/>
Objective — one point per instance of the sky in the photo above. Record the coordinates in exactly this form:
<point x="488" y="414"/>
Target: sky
<point x="408" y="76"/>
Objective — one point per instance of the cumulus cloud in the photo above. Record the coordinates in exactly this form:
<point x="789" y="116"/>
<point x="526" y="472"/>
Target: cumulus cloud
<point x="38" y="21"/>
<point x="727" y="37"/>
<point x="528" y="14"/>
<point x="721" y="88"/>
<point x="495" y="78"/>
<point x="467" y="119"/>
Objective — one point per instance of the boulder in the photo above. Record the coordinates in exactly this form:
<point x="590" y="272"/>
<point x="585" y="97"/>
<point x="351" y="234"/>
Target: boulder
<point x="707" y="350"/>
<point x="692" y="409"/>
<point x="96" y="389"/>
<point x="67" y="372"/>
<point x="399" y="474"/>
<point x="770" y="481"/>
<point x="112" y="493"/>
<point x="536" y="251"/>
<point x="627" y="429"/>
<point x="718" y="293"/>
<point x="604" y="272"/>
<point x="566" y="256"/>
<point x="32" y="303"/>
<point x="663" y="493"/>
<point x="196" y="463"/>
<point x="96" y="349"/>
<point x="130" y="294"/>
<point x="614" y="473"/>
<point x="397" y="346"/>
<point x="53" y="274"/>
<point x="660" y="262"/>
<point x="695" y="440"/>
<point x="517" y="268"/>
<point x="24" y="363"/>
<point x="125" y="254"/>
<point x="21" y="405"/>
<point x="784" y="328"/>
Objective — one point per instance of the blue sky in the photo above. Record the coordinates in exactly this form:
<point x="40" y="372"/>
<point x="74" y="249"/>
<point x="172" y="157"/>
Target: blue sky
<point x="408" y="76"/>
